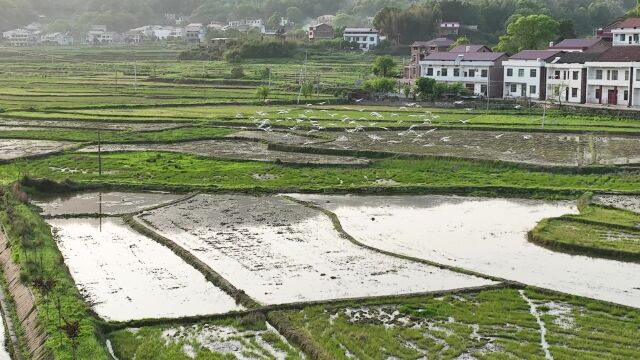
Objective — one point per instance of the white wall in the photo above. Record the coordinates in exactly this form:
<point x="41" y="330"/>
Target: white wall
<point x="566" y="82"/>
<point x="365" y="41"/>
<point x="521" y="78"/>
<point x="608" y="81"/>
<point x="626" y="37"/>
<point x="463" y="74"/>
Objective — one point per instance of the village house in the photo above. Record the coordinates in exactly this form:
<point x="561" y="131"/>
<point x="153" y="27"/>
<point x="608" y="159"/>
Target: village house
<point x="613" y="77"/>
<point x="567" y="77"/>
<point x="320" y="32"/>
<point x="58" y="38"/>
<point x="419" y="51"/>
<point x="194" y="32"/>
<point x="366" y="38"/>
<point x="20" y="37"/>
<point x="470" y="49"/>
<point x="592" y="45"/>
<point x="449" y="28"/>
<point x="246" y="25"/>
<point x="525" y="74"/>
<point x="480" y="72"/>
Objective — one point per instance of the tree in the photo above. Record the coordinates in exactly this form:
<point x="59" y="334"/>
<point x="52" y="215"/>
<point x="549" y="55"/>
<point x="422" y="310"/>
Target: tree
<point x="406" y="89"/>
<point x="566" y="30"/>
<point x="462" y="40"/>
<point x="425" y="87"/>
<point x="384" y="66"/>
<point x="237" y="72"/>
<point x="307" y="89"/>
<point x="274" y="20"/>
<point x="380" y="85"/>
<point x="528" y="32"/>
<point x="295" y="14"/>
<point x="262" y="92"/>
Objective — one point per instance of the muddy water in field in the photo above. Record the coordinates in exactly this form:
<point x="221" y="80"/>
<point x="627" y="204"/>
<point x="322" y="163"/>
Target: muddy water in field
<point x="4" y="354"/>
<point x="17" y="148"/>
<point x="278" y="251"/>
<point x="98" y="125"/>
<point x="273" y="136"/>
<point x="625" y="202"/>
<point x="234" y="150"/>
<point x="484" y="235"/>
<point x="532" y="148"/>
<point x="128" y="276"/>
<point x="109" y="203"/>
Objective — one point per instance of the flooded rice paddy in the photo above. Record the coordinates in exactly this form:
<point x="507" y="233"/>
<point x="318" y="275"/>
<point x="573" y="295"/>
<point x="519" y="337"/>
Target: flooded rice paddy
<point x="18" y="148"/>
<point x="108" y="203"/>
<point x="531" y="148"/>
<point x="625" y="202"/>
<point x="125" y="275"/>
<point x="279" y="251"/>
<point x="234" y="150"/>
<point x="97" y="125"/>
<point x="483" y="235"/>
<point x="273" y="136"/>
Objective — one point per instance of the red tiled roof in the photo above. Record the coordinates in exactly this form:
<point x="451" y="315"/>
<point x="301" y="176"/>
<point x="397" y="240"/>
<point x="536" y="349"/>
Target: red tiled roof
<point x="468" y="48"/>
<point x="620" y="54"/>
<point x="576" y="44"/>
<point x="628" y="23"/>
<point x="472" y="56"/>
<point x="535" y="54"/>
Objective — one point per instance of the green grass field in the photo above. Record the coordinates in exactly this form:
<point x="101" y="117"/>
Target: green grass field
<point x="64" y="94"/>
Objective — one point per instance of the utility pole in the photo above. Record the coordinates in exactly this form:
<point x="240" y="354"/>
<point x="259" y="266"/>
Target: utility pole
<point x="99" y="155"/>
<point x="303" y="77"/>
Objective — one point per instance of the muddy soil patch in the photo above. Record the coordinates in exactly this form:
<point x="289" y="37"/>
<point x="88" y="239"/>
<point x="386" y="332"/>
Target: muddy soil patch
<point x="631" y="203"/>
<point x="483" y="235"/>
<point x="17" y="148"/>
<point x="234" y="150"/>
<point x="97" y="125"/>
<point x="279" y="251"/>
<point x="531" y="148"/>
<point x="126" y="276"/>
<point x="108" y="203"/>
<point x="273" y="136"/>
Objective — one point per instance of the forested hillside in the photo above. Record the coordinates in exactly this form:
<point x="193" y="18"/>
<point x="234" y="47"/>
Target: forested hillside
<point x="490" y="15"/>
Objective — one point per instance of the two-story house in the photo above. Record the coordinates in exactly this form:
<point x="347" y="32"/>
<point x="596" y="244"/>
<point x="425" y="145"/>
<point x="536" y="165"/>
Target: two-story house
<point x="195" y="32"/>
<point x="590" y="45"/>
<point x="525" y="73"/>
<point x="419" y="51"/>
<point x="613" y="77"/>
<point x="567" y="77"/>
<point x="320" y="32"/>
<point x="480" y="72"/>
<point x="366" y="38"/>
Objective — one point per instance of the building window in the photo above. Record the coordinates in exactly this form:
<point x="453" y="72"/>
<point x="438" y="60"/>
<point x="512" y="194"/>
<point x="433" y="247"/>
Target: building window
<point x="532" y="89"/>
<point x="598" y="75"/>
<point x="626" y="95"/>
<point x="484" y="73"/>
<point x="514" y="88"/>
<point x="429" y="71"/>
<point x="472" y="73"/>
<point x="638" y="75"/>
<point x="483" y="89"/>
<point x="622" y="37"/>
<point x="533" y="73"/>
<point x="520" y="72"/>
<point x="444" y="71"/>
<point x="574" y="92"/>
<point x="372" y="39"/>
<point x="612" y="74"/>
<point x="456" y="72"/>
<point x="576" y="75"/>
<point x="626" y="75"/>
<point x="510" y="72"/>
<point x="598" y="94"/>
<point x="557" y="75"/>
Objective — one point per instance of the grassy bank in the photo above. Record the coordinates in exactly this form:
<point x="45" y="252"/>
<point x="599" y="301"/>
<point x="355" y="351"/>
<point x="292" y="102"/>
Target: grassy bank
<point x="247" y="336"/>
<point x="596" y="231"/>
<point x="62" y="312"/>
<point x="179" y="171"/>
<point x="493" y="324"/>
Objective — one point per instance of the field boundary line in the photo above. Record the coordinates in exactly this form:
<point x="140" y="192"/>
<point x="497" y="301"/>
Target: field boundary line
<point x="211" y="275"/>
<point x="345" y="235"/>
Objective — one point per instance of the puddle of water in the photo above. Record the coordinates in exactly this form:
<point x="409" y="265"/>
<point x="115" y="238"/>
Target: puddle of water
<point x="44" y="124"/>
<point x="17" y="148"/>
<point x="533" y="148"/>
<point x="4" y="354"/>
<point x="278" y="251"/>
<point x="631" y="203"/>
<point x="242" y="150"/>
<point x="128" y="276"/>
<point x="110" y="203"/>
<point x="484" y="235"/>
